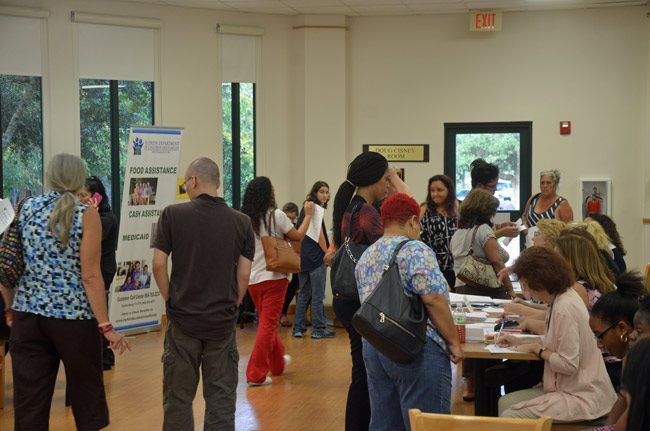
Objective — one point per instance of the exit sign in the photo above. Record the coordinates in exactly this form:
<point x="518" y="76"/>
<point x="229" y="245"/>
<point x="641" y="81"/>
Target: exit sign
<point x="485" y="20"/>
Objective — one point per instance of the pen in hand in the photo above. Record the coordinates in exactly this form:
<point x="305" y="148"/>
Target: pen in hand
<point x="501" y="328"/>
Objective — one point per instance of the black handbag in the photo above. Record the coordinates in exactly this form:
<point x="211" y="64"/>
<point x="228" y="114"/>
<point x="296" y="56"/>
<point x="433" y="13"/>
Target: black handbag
<point x="344" y="285"/>
<point x="392" y="322"/>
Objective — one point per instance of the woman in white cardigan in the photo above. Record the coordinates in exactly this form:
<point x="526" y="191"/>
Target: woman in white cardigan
<point x="576" y="386"/>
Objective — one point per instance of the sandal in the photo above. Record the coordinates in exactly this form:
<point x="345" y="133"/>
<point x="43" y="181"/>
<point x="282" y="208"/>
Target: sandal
<point x="285" y="322"/>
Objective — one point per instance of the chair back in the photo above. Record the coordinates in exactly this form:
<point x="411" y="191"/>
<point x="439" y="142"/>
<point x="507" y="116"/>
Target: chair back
<point x="646" y="277"/>
<point x="432" y="421"/>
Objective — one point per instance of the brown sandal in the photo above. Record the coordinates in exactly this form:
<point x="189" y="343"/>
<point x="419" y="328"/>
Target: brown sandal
<point x="284" y="322"/>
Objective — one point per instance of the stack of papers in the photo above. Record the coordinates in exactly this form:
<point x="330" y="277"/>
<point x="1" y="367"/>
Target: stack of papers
<point x="476" y="316"/>
<point x="456" y="298"/>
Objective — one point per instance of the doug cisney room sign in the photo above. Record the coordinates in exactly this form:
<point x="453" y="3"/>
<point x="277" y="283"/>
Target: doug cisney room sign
<point x="401" y="153"/>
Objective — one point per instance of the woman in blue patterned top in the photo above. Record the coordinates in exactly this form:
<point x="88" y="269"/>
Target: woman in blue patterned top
<point x="59" y="306"/>
<point x="425" y="383"/>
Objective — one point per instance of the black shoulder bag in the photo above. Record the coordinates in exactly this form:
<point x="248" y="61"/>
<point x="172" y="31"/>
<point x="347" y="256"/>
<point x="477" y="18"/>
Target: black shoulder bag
<point x="344" y="285"/>
<point x="392" y="322"/>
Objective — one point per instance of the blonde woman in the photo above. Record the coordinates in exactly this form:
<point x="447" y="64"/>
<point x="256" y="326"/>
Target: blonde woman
<point x="59" y="306"/>
<point x="548" y="232"/>
<point x="579" y="248"/>
<point x="604" y="244"/>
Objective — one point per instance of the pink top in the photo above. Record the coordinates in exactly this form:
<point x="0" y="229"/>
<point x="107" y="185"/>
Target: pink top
<point x="576" y="383"/>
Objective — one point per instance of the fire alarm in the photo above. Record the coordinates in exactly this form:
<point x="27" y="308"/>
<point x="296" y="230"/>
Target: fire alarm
<point x="565" y="127"/>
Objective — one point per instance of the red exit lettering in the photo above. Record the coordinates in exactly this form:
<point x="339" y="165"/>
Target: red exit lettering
<point x="485" y="21"/>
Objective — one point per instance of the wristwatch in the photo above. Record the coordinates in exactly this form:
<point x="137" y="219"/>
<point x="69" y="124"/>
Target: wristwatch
<point x="539" y="354"/>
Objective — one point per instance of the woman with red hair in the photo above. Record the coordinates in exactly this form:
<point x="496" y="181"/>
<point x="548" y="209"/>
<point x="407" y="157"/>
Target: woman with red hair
<point x="425" y="383"/>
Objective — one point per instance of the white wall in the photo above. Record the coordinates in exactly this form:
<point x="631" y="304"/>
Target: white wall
<point x="406" y="76"/>
<point x="410" y="75"/>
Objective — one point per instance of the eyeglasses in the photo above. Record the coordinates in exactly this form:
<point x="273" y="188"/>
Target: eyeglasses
<point x="602" y="334"/>
<point x="491" y="187"/>
<point x="186" y="180"/>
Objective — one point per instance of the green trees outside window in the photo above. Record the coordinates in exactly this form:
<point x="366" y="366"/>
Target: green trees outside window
<point x="238" y="101"/>
<point x="21" y="128"/>
<point x="107" y="109"/>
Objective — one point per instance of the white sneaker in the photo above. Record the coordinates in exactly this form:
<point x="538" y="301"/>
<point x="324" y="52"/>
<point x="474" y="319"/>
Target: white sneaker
<point x="287" y="360"/>
<point x="266" y="381"/>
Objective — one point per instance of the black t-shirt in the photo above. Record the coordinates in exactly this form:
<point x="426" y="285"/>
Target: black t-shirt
<point x="109" y="242"/>
<point x="205" y="239"/>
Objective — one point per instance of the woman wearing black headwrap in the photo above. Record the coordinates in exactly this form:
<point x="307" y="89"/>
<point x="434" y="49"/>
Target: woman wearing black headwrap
<point x="368" y="175"/>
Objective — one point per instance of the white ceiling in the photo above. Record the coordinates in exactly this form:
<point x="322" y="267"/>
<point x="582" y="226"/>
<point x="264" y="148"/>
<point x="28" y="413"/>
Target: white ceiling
<point x="386" y="7"/>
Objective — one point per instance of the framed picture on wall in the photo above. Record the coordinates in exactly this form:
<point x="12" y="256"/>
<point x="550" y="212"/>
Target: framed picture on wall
<point x="596" y="197"/>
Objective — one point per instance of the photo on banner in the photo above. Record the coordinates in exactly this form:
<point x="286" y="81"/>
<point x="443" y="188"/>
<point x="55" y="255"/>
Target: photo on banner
<point x="132" y="275"/>
<point x="150" y="180"/>
<point x="142" y="191"/>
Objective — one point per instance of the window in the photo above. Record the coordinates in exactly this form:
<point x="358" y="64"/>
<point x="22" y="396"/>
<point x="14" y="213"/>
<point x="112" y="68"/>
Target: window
<point x="238" y="101"/>
<point x="108" y="108"/>
<point x="507" y="145"/>
<point x="21" y="128"/>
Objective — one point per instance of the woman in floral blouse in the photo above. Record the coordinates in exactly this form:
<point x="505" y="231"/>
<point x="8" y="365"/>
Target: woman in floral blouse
<point x="425" y="383"/>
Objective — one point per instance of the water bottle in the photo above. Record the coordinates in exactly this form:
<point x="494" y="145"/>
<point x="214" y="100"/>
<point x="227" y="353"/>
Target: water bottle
<point x="459" y="320"/>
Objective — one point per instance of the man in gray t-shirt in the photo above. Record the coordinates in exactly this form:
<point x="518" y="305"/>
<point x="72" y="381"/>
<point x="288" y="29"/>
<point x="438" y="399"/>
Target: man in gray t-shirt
<point x="211" y="248"/>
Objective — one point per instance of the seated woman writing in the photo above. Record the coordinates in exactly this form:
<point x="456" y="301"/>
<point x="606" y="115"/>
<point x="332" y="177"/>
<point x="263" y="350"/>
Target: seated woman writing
<point x="576" y="386"/>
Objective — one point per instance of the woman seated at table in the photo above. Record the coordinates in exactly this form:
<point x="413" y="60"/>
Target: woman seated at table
<point x="579" y="248"/>
<point x="616" y="246"/>
<point x="604" y="243"/>
<point x="611" y="321"/>
<point x="576" y="386"/>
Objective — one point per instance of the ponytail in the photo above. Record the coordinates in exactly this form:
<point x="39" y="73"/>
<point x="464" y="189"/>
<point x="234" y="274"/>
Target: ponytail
<point x="65" y="174"/>
<point x="341" y="202"/>
<point x="621" y="304"/>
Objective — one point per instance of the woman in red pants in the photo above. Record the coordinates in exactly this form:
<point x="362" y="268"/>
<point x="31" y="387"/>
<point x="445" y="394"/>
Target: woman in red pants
<point x="265" y="287"/>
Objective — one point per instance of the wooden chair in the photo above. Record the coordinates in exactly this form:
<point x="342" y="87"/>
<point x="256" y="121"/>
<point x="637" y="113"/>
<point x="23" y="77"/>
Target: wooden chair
<point x="646" y="277"/>
<point x="431" y="421"/>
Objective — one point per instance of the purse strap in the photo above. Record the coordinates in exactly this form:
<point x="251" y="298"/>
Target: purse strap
<point x="394" y="256"/>
<point x="270" y="230"/>
<point x="471" y="244"/>
<point x="348" y="230"/>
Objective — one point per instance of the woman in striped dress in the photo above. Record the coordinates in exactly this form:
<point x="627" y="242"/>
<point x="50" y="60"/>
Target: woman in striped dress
<point x="547" y="204"/>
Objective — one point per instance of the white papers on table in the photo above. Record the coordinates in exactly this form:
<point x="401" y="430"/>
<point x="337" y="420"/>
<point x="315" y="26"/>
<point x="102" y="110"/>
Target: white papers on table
<point x="525" y="338"/>
<point x="457" y="298"/>
<point x="476" y="316"/>
<point x="493" y="311"/>
<point x="501" y="301"/>
<point x="493" y="348"/>
<point x="6" y="214"/>
<point x="313" y="231"/>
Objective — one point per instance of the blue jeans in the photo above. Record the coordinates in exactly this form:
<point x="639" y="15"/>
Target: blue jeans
<point x="394" y="388"/>
<point x="312" y="287"/>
